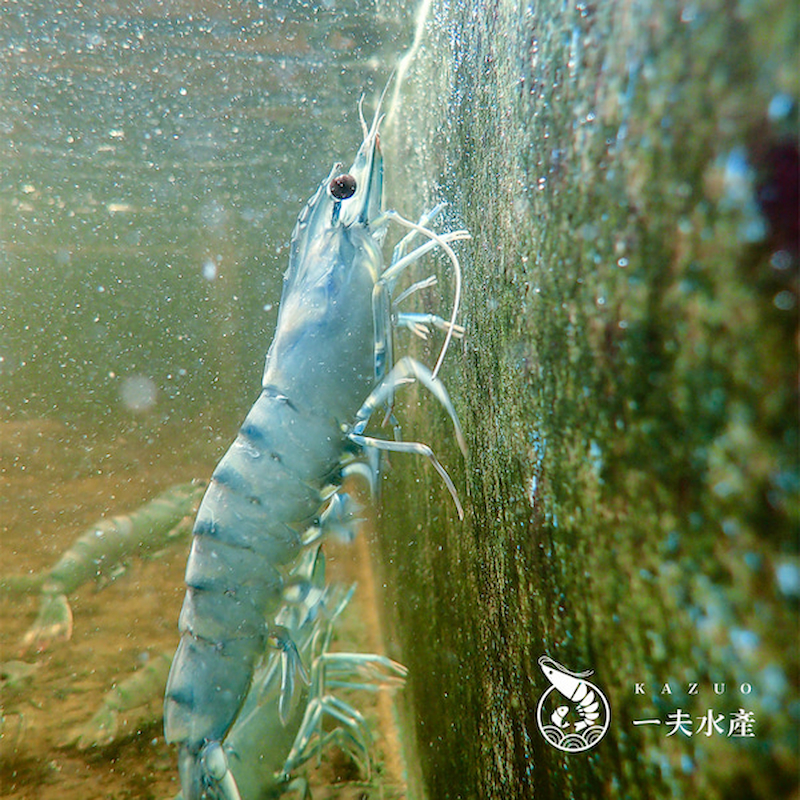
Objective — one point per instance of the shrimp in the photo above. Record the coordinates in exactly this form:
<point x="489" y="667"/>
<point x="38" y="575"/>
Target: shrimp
<point x="575" y="687"/>
<point x="276" y="489"/>
<point x="100" y="554"/>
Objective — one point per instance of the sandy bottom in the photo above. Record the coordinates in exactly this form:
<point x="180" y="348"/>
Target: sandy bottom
<point x="54" y="482"/>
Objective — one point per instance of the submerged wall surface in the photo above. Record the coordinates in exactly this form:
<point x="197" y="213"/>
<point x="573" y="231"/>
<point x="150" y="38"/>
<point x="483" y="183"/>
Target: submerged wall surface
<point x="627" y="387"/>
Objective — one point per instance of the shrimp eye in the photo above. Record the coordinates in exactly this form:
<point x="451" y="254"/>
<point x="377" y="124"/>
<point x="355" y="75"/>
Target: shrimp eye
<point x="342" y="187"/>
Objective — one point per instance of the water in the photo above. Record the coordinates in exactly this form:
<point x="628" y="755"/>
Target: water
<point x="153" y="167"/>
<point x="152" y="164"/>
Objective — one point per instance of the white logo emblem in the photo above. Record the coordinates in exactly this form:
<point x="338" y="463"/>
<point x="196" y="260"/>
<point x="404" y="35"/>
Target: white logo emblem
<point x="576" y="726"/>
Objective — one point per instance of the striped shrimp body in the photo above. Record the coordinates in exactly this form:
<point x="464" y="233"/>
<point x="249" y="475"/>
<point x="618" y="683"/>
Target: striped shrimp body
<point x="262" y="749"/>
<point x="325" y="374"/>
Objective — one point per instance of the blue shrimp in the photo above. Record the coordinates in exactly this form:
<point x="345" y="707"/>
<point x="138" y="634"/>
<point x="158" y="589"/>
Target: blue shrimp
<point x="272" y="489"/>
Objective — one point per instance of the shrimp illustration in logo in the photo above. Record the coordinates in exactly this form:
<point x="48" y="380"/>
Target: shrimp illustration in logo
<point x="582" y="724"/>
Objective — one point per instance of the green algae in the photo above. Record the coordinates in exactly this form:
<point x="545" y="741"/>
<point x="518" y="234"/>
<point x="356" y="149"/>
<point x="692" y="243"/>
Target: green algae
<point x="627" y="387"/>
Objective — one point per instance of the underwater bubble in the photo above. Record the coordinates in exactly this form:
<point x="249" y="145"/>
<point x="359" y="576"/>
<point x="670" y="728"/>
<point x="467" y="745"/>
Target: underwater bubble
<point x="663" y="764"/>
<point x="784" y="300"/>
<point x="596" y="456"/>
<point x="724" y="489"/>
<point x="209" y="269"/>
<point x="754" y="229"/>
<point x="781" y="260"/>
<point x="752" y="561"/>
<point x="138" y="393"/>
<point x="730" y="527"/>
<point x="744" y="641"/>
<point x="673" y="542"/>
<point x="773" y="680"/>
<point x="787" y="576"/>
<point x="780" y="106"/>
<point x="738" y="177"/>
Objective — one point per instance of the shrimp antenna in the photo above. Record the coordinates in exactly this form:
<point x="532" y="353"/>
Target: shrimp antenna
<point x="370" y="131"/>
<point x="364" y="128"/>
<point x="546" y="661"/>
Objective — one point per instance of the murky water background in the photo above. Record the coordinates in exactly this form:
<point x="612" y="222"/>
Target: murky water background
<point x="152" y="164"/>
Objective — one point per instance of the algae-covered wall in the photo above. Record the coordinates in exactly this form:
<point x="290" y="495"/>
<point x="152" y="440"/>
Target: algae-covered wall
<point x="627" y="387"/>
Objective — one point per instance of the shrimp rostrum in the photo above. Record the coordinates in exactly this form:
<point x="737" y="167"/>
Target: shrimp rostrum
<point x="275" y="491"/>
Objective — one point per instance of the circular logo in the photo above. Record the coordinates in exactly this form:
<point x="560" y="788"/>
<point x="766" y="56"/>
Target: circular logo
<point x="573" y="714"/>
